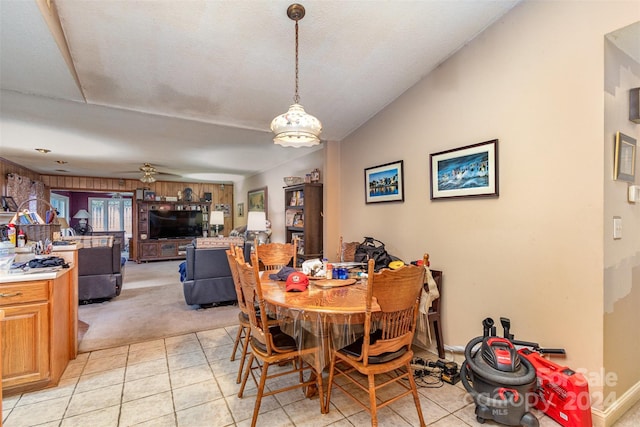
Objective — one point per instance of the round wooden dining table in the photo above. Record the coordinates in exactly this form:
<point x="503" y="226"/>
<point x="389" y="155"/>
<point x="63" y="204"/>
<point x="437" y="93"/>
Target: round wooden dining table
<point x="327" y="314"/>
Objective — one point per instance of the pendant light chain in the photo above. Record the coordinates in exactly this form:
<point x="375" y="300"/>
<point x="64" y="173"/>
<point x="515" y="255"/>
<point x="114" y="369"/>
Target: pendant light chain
<point x="296" y="97"/>
<point x="296" y="128"/>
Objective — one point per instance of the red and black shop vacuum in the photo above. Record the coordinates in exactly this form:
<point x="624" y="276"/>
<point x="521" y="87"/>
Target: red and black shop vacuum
<point x="503" y="387"/>
<point x="501" y="382"/>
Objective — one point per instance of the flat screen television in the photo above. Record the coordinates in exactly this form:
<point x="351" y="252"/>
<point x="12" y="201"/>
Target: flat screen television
<point x="165" y="224"/>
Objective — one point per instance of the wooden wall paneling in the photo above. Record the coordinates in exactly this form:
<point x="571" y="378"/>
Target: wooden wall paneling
<point x="161" y="188"/>
<point x="168" y="189"/>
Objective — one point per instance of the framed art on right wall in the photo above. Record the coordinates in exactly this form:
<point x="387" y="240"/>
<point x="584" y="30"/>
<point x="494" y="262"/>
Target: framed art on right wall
<point x="384" y="183"/>
<point x="470" y="171"/>
<point x="624" y="164"/>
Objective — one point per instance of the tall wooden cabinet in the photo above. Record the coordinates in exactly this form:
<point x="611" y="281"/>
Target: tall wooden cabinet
<point x="150" y="249"/>
<point x="303" y="218"/>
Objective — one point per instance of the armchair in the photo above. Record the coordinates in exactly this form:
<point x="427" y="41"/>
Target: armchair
<point x="100" y="273"/>
<point x="208" y="278"/>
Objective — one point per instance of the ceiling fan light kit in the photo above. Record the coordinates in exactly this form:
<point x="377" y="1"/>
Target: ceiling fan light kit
<point x="147" y="178"/>
<point x="148" y="171"/>
<point x="296" y="128"/>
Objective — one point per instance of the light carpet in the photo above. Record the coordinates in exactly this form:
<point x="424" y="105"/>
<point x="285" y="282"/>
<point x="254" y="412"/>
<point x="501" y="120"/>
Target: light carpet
<point x="150" y="306"/>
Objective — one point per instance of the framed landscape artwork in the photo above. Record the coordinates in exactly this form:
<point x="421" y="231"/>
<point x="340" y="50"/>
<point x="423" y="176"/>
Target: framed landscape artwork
<point x="257" y="200"/>
<point x="470" y="171"/>
<point x="384" y="183"/>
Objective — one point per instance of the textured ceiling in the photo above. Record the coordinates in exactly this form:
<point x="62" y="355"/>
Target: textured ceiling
<point x="192" y="86"/>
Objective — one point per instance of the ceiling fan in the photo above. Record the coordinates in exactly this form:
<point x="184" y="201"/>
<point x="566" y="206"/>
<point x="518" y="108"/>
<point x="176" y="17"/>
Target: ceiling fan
<point x="150" y="173"/>
<point x="147" y="173"/>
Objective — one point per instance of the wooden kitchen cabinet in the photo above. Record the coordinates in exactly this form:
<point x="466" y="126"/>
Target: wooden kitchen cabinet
<point x="39" y="330"/>
<point x="26" y="343"/>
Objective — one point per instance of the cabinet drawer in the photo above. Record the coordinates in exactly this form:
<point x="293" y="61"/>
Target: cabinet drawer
<point x="148" y="250"/>
<point x="20" y="293"/>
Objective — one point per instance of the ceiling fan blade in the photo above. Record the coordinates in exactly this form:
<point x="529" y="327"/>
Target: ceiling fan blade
<point x="169" y="174"/>
<point x="147" y="170"/>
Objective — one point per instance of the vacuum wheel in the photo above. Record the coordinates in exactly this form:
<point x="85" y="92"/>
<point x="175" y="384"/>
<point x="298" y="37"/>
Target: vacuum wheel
<point x="529" y="420"/>
<point x="480" y="419"/>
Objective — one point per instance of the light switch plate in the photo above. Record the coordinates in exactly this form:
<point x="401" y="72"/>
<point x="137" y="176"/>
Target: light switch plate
<point x="617" y="227"/>
<point x="634" y="193"/>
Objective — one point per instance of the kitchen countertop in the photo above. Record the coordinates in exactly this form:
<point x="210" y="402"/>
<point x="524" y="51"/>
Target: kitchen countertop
<point x="34" y="274"/>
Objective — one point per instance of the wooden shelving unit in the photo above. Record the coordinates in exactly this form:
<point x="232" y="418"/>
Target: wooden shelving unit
<point x="148" y="249"/>
<point x="303" y="218"/>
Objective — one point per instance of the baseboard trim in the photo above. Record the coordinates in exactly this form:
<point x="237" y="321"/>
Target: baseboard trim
<point x="614" y="412"/>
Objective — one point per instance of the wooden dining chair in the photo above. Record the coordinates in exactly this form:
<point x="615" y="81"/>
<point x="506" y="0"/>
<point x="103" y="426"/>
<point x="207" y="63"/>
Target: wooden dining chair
<point x="434" y="315"/>
<point x="347" y="251"/>
<point x="274" y="256"/>
<point x="244" y="327"/>
<point x="269" y="346"/>
<point x="385" y="347"/>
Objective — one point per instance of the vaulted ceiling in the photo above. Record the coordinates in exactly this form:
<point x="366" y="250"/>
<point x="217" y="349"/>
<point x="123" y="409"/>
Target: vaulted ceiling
<point x="192" y="86"/>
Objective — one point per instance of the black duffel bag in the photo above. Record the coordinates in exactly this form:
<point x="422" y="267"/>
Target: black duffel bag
<point x="373" y="249"/>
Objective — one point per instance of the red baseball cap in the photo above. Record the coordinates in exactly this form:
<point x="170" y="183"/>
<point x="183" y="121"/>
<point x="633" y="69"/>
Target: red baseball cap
<point x="297" y="282"/>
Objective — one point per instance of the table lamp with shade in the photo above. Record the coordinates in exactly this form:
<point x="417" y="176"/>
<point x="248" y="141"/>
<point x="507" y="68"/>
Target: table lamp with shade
<point x="65" y="230"/>
<point x="83" y="226"/>
<point x="217" y="221"/>
<point x="257" y="227"/>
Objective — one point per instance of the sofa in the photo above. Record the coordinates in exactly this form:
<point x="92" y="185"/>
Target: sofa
<point x="100" y="268"/>
<point x="206" y="277"/>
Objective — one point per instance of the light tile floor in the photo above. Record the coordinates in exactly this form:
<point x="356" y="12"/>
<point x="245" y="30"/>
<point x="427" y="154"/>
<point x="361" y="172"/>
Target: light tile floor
<point x="189" y="381"/>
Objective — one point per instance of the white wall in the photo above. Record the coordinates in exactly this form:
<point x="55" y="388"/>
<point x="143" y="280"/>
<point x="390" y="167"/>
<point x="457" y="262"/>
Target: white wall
<point x="535" y="254"/>
<point x="621" y="257"/>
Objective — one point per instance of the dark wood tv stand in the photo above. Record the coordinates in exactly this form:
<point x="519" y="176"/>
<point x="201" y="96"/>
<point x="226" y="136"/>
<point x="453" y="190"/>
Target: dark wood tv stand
<point x="147" y="249"/>
<point x="162" y="249"/>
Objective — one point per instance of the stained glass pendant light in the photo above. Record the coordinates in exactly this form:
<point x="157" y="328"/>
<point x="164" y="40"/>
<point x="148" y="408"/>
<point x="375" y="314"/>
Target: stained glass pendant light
<point x="296" y="128"/>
